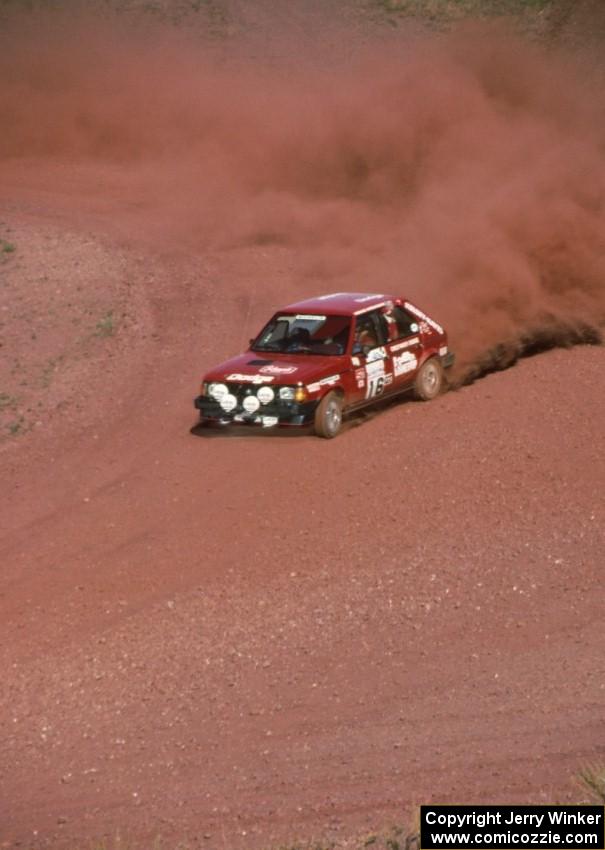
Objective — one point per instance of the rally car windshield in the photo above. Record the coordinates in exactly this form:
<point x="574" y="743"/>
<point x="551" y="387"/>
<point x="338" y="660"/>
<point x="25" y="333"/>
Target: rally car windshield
<point x="305" y="334"/>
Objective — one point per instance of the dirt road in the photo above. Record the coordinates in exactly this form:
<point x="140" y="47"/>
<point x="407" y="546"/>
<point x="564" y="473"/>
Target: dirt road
<point x="245" y="640"/>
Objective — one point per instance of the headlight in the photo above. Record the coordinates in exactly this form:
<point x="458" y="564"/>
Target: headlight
<point x="286" y="393"/>
<point x="300" y="394"/>
<point x="265" y="395"/>
<point x="217" y="391"/>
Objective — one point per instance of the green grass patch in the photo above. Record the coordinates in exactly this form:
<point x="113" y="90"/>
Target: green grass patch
<point x="8" y="402"/>
<point x="17" y="427"/>
<point x="106" y="326"/>
<point x="592" y="777"/>
<point x="49" y="370"/>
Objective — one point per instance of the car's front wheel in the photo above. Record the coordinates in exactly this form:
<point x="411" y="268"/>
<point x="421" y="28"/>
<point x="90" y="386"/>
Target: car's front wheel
<point x="328" y="416"/>
<point x="429" y="380"/>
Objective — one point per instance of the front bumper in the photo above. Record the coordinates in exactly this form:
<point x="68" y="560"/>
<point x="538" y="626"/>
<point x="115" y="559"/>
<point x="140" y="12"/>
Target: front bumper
<point x="270" y="415"/>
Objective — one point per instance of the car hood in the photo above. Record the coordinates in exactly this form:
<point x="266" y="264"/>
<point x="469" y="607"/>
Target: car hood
<point x="276" y="369"/>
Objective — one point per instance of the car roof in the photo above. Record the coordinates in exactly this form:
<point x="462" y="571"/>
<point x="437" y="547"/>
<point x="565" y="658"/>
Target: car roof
<point x="340" y="303"/>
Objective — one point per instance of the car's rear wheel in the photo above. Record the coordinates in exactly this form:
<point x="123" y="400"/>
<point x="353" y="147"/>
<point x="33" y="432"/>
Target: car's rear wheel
<point x="328" y="416"/>
<point x="429" y="380"/>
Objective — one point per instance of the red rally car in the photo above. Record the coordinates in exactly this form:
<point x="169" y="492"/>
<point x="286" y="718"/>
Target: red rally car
<point x="319" y="359"/>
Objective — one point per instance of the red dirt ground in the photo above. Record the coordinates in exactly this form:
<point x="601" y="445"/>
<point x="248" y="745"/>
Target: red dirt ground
<point x="242" y="640"/>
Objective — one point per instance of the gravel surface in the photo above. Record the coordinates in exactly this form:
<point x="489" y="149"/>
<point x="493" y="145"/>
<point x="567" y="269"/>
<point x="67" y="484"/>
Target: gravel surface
<point x="240" y="640"/>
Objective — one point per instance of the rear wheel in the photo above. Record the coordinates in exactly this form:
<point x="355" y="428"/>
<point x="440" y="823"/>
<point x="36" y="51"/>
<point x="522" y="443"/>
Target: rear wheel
<point x="328" y="416"/>
<point x="429" y="380"/>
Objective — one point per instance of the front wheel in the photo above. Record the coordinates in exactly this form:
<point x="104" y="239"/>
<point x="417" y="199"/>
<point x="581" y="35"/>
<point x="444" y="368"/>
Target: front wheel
<point x="328" y="416"/>
<point x="429" y="380"/>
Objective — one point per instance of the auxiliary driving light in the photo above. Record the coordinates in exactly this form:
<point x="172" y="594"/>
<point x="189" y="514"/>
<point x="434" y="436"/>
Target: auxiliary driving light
<point x="217" y="391"/>
<point x="251" y="404"/>
<point x="265" y="395"/>
<point x="228" y="402"/>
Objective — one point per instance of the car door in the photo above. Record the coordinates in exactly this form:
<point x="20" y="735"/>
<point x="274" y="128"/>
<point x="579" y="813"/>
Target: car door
<point x="371" y="358"/>
<point x="404" y="346"/>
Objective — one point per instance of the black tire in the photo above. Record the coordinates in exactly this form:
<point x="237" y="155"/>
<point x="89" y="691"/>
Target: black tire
<point x="429" y="380"/>
<point x="328" y="416"/>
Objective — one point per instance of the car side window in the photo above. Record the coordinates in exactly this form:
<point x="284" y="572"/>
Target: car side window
<point x="406" y="324"/>
<point x="369" y="332"/>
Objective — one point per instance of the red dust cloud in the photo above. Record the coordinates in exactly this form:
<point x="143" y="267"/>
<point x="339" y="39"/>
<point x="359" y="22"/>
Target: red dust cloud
<point x="466" y="171"/>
